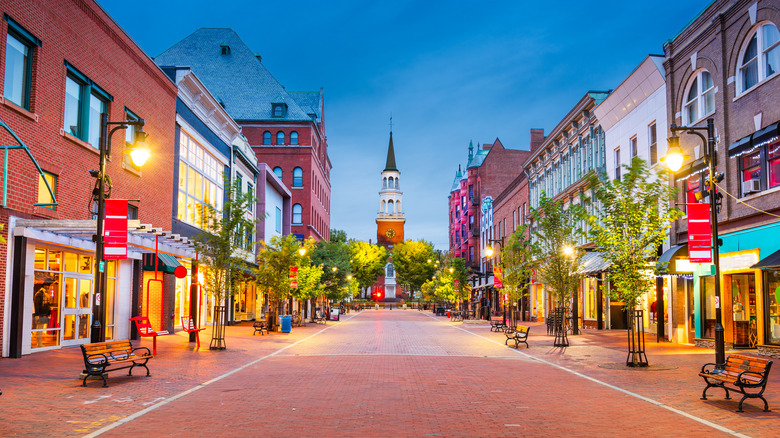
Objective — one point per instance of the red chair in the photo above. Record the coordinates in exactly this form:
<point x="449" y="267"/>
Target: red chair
<point x="189" y="326"/>
<point x="146" y="331"/>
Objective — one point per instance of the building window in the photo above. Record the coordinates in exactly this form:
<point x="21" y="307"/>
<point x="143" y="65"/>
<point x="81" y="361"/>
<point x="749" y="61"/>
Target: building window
<point x="278" y="172"/>
<point x="130" y="140"/>
<point x="652" y="140"/>
<point x="84" y="102"/>
<point x="294" y="138"/>
<point x="279" y="110"/>
<point x="760" y="58"/>
<point x="617" y="164"/>
<point x="251" y="190"/>
<point x="297" y="177"/>
<point x="278" y="225"/>
<point x="201" y="186"/>
<point x="132" y="212"/>
<point x="700" y="98"/>
<point x="280" y="138"/>
<point x="297" y="214"/>
<point x="760" y="168"/>
<point x="224" y="49"/>
<point x="632" y="144"/>
<point x="267" y="137"/>
<point x="18" y="68"/>
<point x="44" y="195"/>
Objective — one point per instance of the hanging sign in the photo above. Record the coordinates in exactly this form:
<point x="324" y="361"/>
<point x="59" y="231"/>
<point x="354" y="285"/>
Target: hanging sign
<point x="498" y="277"/>
<point x="457" y="286"/>
<point x="115" y="230"/>
<point x="699" y="233"/>
<point x="293" y="277"/>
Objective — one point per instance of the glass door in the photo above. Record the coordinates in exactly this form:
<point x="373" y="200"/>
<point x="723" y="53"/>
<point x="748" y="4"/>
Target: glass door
<point x="77" y="310"/>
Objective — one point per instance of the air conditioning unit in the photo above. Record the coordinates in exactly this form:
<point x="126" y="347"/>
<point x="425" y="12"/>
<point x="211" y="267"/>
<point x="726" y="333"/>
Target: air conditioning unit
<point x="751" y="186"/>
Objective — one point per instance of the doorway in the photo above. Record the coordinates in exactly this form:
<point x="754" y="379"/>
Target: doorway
<point x="77" y="310"/>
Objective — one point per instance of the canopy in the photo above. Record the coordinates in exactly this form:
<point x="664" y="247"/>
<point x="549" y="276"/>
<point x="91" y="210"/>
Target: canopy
<point x="768" y="262"/>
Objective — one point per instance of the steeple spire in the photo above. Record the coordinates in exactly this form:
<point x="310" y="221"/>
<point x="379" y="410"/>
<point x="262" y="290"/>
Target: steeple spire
<point x="391" y="155"/>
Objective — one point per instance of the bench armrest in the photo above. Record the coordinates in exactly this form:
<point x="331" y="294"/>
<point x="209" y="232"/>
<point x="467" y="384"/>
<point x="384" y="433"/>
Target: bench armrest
<point x="120" y="354"/>
<point x="714" y="367"/>
<point x="101" y="363"/>
<point x="744" y="382"/>
<point x="148" y="351"/>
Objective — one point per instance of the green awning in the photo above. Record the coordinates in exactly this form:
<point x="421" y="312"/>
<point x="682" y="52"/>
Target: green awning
<point x="166" y="262"/>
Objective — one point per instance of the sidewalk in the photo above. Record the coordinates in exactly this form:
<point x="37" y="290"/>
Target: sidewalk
<point x="43" y="396"/>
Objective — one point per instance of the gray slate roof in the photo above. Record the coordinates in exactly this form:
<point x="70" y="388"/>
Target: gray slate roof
<point x="239" y="79"/>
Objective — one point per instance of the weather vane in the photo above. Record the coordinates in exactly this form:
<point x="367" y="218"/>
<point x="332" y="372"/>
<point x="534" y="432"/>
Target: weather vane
<point x="391" y="122"/>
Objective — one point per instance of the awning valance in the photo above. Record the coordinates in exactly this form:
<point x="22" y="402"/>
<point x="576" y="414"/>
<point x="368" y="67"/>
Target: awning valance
<point x="768" y="135"/>
<point x="769" y="262"/>
<point x="165" y="262"/>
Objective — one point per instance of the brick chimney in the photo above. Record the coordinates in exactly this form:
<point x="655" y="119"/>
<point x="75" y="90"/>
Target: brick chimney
<point x="537" y="138"/>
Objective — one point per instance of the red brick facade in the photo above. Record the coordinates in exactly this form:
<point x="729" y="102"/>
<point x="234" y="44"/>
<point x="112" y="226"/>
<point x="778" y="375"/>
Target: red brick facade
<point x="80" y="33"/>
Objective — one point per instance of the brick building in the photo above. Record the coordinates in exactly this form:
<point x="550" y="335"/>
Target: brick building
<point x="285" y="129"/>
<point x="724" y="66"/>
<point x="62" y="63"/>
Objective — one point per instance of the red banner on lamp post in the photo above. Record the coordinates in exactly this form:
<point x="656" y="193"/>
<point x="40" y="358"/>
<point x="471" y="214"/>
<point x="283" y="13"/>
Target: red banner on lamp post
<point x="699" y="233"/>
<point x="115" y="230"/>
<point x="293" y="277"/>
<point x="498" y="277"/>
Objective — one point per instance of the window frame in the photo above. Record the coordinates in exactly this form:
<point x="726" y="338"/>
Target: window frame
<point x="294" y="138"/>
<point x="87" y="90"/>
<point x="759" y="59"/>
<point x="652" y="142"/>
<point x="633" y="146"/>
<point x="280" y="173"/>
<point x="299" y="214"/>
<point x="26" y="85"/>
<point x="267" y="138"/>
<point x="51" y="191"/>
<point x="700" y="100"/>
<point x="280" y="134"/>
<point x="297" y="179"/>
<point x="616" y="158"/>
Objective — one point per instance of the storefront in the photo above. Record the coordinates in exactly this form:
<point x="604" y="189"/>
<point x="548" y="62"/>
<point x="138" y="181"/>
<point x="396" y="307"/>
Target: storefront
<point x="596" y="305"/>
<point x="769" y="295"/>
<point x="52" y="291"/>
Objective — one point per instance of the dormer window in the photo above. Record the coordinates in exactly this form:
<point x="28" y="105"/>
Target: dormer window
<point x="225" y="49"/>
<point x="279" y="109"/>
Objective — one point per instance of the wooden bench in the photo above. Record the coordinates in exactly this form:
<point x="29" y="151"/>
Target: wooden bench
<point x="497" y="324"/>
<point x="518" y="334"/>
<point x="260" y="326"/>
<point x="741" y="372"/>
<point x="189" y="326"/>
<point x="146" y="331"/>
<point x="105" y="357"/>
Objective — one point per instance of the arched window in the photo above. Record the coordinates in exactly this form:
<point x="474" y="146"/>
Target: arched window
<point x="390" y="208"/>
<point x="384" y="183"/>
<point x="398" y="206"/>
<point x="384" y="206"/>
<point x="760" y="58"/>
<point x="294" y="138"/>
<point x="278" y="172"/>
<point x="297" y="177"/>
<point x="267" y="137"/>
<point x="699" y="98"/>
<point x="390" y="182"/>
<point x="280" y="137"/>
<point x="297" y="214"/>
<point x="396" y="183"/>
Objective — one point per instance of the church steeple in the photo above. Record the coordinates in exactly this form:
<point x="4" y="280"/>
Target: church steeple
<point x="391" y="156"/>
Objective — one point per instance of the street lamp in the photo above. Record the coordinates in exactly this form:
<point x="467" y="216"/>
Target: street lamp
<point x="489" y="251"/>
<point x="674" y="159"/>
<point x="302" y="250"/>
<point x="139" y="153"/>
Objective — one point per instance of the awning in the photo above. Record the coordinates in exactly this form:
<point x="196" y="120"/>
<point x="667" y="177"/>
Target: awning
<point x="166" y="262"/>
<point x="756" y="140"/>
<point x="593" y="263"/>
<point x="669" y="254"/>
<point x="769" y="262"/>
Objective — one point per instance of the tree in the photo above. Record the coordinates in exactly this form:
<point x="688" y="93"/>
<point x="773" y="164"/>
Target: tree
<point x="410" y="259"/>
<point x="633" y="219"/>
<point x="367" y="262"/>
<point x="224" y="246"/>
<point x="274" y="260"/>
<point x="519" y="258"/>
<point x="452" y="271"/>
<point x="334" y="257"/>
<point x="556" y="237"/>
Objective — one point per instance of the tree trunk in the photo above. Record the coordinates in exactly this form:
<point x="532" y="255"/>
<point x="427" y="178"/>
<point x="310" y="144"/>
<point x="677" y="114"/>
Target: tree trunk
<point x="218" y="329"/>
<point x="636" y="340"/>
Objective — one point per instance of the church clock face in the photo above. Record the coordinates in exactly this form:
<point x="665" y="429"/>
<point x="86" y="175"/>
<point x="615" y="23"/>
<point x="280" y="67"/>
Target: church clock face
<point x="390" y="233"/>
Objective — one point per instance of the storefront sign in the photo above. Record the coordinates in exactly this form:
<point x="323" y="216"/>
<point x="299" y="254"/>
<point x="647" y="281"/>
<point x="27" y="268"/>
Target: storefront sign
<point x="739" y="260"/>
<point x="115" y="230"/>
<point x="699" y="233"/>
<point x="498" y="277"/>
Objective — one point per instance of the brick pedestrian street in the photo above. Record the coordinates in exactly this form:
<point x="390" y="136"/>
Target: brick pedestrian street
<point x="380" y="373"/>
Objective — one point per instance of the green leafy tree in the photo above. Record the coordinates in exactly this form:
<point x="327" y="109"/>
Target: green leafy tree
<point x="367" y="262"/>
<point x="453" y="271"/>
<point x="519" y="258"/>
<point x="410" y="259"/>
<point x="633" y="219"/>
<point x="223" y="248"/>
<point x="334" y="257"/>
<point x="556" y="237"/>
<point x="274" y="260"/>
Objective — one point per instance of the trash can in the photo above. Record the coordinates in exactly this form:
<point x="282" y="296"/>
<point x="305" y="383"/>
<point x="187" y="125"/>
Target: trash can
<point x="286" y="324"/>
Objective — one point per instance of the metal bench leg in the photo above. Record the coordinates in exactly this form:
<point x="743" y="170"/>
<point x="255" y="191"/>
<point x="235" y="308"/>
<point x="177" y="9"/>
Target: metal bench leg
<point x="105" y="382"/>
<point x="197" y="337"/>
<point x="154" y="345"/>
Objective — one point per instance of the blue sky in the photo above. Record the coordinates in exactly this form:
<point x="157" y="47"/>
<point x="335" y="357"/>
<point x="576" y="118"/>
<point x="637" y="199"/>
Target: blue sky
<point x="448" y="71"/>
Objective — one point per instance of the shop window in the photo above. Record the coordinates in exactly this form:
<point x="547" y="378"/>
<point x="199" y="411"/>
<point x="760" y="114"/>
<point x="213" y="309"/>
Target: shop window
<point x="45" y="198"/>
<point x="20" y="46"/>
<point x="743" y="293"/>
<point x="708" y="307"/>
<point x="759" y="168"/>
<point x="772" y="307"/>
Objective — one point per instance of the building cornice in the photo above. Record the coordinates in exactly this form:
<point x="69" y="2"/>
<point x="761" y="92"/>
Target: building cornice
<point x="198" y="99"/>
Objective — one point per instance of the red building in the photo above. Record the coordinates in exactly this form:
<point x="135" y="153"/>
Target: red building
<point x="285" y="129"/>
<point x="62" y="63"/>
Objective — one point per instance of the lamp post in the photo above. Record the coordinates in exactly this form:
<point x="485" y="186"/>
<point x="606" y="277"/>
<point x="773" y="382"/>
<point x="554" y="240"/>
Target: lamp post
<point x="674" y="159"/>
<point x="568" y="252"/>
<point x="139" y="154"/>
<point x="489" y="252"/>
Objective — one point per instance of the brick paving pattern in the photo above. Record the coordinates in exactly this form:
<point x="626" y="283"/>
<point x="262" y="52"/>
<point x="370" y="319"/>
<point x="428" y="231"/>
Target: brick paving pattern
<point x="378" y="373"/>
